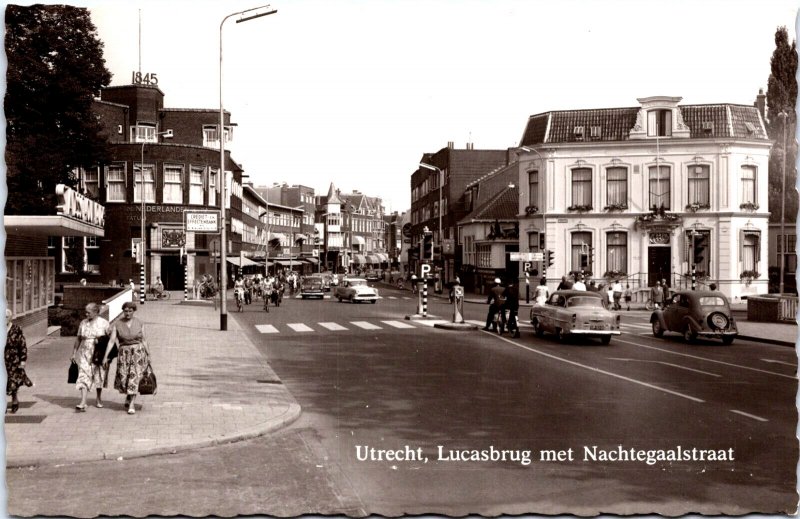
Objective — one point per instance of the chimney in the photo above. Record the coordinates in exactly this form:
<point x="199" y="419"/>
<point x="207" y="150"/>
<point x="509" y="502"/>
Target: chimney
<point x="450" y="145"/>
<point x="470" y="146"/>
<point x="761" y="103"/>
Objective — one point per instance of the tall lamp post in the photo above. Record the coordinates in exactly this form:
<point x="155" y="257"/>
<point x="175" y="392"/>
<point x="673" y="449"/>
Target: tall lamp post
<point x="248" y="14"/>
<point x="143" y="246"/>
<point x="441" y="230"/>
<point x="784" y="241"/>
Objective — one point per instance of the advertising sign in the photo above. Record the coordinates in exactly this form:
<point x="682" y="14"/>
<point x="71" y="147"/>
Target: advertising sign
<point x="201" y="221"/>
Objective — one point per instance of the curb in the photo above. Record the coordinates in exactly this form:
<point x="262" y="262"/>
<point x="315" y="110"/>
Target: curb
<point x="286" y="418"/>
<point x="461" y="327"/>
<point x="765" y="340"/>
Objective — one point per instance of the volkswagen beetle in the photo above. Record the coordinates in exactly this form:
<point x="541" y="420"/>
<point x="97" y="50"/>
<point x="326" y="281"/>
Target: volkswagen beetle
<point x="696" y="313"/>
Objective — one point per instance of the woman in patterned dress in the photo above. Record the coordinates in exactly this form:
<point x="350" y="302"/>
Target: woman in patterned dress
<point x="16" y="356"/>
<point x="89" y="374"/>
<point x="133" y="357"/>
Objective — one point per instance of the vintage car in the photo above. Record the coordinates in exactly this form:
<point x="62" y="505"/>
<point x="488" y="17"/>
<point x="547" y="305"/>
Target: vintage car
<point x="575" y="313"/>
<point x="372" y="275"/>
<point x="696" y="313"/>
<point x="312" y="286"/>
<point x="355" y="290"/>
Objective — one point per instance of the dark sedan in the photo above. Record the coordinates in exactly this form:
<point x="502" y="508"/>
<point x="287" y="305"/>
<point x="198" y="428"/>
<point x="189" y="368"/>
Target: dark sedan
<point x="696" y="313"/>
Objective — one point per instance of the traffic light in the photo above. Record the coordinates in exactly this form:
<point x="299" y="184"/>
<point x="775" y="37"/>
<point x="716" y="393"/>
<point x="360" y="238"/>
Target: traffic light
<point x="700" y="245"/>
<point x="584" y="261"/>
<point x="437" y="252"/>
<point x="549" y="258"/>
<point x="183" y="256"/>
<point x="427" y="247"/>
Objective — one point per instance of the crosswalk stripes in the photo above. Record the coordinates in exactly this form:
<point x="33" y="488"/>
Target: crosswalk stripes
<point x="398" y="324"/>
<point x="365" y="325"/>
<point x="299" y="327"/>
<point x="266" y="328"/>
<point x="334" y="327"/>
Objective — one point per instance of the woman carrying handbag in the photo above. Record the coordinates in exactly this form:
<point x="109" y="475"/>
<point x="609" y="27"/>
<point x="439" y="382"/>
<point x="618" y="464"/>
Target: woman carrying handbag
<point x="89" y="374"/>
<point x="133" y="359"/>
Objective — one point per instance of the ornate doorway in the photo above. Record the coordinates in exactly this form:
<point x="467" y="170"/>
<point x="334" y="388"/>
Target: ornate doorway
<point x="659" y="258"/>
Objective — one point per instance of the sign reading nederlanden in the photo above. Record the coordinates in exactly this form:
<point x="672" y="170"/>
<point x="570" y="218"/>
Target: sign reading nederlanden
<point x="201" y="221"/>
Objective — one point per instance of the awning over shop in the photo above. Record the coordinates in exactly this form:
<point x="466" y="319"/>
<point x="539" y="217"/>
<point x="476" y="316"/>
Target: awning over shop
<point x="359" y="258"/>
<point x="282" y="238"/>
<point x="382" y="257"/>
<point x="312" y="260"/>
<point x="371" y="258"/>
<point x="358" y="240"/>
<point x="246" y="262"/>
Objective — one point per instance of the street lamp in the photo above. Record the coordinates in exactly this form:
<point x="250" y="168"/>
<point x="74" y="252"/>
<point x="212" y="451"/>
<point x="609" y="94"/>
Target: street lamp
<point x="246" y="15"/>
<point x="143" y="246"/>
<point x="441" y="186"/>
<point x="784" y="241"/>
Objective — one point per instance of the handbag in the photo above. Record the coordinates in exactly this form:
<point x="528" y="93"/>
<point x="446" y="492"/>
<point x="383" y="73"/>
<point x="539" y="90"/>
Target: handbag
<point x="100" y="346"/>
<point x="72" y="374"/>
<point x="148" y="384"/>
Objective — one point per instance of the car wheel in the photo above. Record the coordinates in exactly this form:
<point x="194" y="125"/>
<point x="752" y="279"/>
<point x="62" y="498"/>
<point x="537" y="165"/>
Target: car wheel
<point x="727" y="340"/>
<point x="658" y="331"/>
<point x="559" y="335"/>
<point x="339" y="298"/>
<point x="537" y="328"/>
<point x="605" y="340"/>
<point x="689" y="335"/>
<point x="374" y="301"/>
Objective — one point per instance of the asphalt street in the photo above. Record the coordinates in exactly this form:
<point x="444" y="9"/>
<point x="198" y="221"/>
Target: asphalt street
<point x="365" y="381"/>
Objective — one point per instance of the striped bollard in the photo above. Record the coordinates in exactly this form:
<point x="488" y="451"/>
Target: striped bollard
<point x="425" y="297"/>
<point x="141" y="285"/>
<point x="186" y="282"/>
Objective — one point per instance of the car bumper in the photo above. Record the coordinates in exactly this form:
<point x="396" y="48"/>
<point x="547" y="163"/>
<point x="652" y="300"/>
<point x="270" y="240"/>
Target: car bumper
<point x="312" y="294"/>
<point x="365" y="298"/>
<point x="709" y="334"/>
<point x="598" y="333"/>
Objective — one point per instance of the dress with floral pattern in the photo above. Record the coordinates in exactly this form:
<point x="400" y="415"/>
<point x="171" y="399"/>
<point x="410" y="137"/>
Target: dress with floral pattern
<point x="132" y="359"/>
<point x="16" y="353"/>
<point x="89" y="374"/>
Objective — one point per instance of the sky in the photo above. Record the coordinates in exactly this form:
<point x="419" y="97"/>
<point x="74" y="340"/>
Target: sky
<point x="354" y="92"/>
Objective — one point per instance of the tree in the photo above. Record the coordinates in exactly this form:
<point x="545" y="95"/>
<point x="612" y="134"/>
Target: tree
<point x="782" y="97"/>
<point x="55" y="70"/>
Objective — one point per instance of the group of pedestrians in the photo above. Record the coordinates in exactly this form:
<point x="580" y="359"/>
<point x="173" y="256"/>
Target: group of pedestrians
<point x="503" y="299"/>
<point x="614" y="292"/>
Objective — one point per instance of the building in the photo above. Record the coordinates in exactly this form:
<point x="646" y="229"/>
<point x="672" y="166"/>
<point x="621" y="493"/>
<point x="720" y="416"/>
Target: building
<point x="490" y="231"/>
<point x="362" y="218"/>
<point x="458" y="168"/>
<point x="164" y="162"/>
<point x="655" y="191"/>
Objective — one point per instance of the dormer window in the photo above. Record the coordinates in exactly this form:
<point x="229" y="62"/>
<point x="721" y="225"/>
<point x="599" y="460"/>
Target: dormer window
<point x="659" y="123"/>
<point x="578" y="132"/>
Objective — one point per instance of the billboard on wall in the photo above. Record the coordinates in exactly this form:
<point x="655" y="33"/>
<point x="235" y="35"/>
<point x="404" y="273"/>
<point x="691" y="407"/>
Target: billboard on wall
<point x="201" y="221"/>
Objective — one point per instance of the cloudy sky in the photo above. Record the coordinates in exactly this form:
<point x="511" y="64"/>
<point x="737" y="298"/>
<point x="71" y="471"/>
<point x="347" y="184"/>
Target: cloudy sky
<point x="355" y="91"/>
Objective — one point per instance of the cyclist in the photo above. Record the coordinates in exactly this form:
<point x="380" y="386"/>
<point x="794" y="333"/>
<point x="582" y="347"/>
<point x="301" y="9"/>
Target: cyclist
<point x="238" y="292"/>
<point x="496" y="303"/>
<point x="248" y="290"/>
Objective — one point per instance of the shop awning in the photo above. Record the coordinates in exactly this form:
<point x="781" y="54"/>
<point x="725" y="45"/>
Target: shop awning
<point x="312" y="260"/>
<point x="371" y="258"/>
<point x="382" y="257"/>
<point x="282" y="238"/>
<point x="358" y="240"/>
<point x="234" y="260"/>
<point x="359" y="258"/>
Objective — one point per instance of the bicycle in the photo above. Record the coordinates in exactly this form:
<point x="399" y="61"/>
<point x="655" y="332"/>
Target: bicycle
<point x="155" y="295"/>
<point x="239" y="296"/>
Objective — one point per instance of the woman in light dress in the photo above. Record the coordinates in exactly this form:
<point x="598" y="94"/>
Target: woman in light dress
<point x="89" y="374"/>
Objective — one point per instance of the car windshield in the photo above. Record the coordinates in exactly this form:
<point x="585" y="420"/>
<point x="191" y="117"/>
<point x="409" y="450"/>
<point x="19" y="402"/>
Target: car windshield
<point x="584" y="301"/>
<point x="357" y="282"/>
<point x="711" y="301"/>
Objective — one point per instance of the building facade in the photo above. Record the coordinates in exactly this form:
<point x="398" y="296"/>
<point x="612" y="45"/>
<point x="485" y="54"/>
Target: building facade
<point x="655" y="191"/>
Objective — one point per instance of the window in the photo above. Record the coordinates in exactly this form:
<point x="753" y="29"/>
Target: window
<point x="699" y="186"/>
<point x="211" y="136"/>
<point x="659" y="123"/>
<point x="533" y="241"/>
<point x="212" y="187"/>
<point x="533" y="188"/>
<point x="143" y="133"/>
<point x="115" y="183"/>
<point x="581" y="250"/>
<point x="484" y="256"/>
<point x="617" y="187"/>
<point x="149" y="183"/>
<point x="582" y="187"/>
<point x="196" y="186"/>
<point x="92" y="248"/>
<point x="750" y="251"/>
<point x="173" y="189"/>
<point x="617" y="252"/>
<point x="90" y="180"/>
<point x="790" y="260"/>
<point x="698" y="251"/>
<point x="748" y="185"/>
<point x="659" y="187"/>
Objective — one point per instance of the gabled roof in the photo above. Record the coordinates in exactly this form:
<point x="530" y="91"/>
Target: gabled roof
<point x="333" y="197"/>
<point x="502" y="207"/>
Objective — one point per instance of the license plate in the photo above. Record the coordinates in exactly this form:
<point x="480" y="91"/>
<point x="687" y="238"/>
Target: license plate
<point x="596" y="327"/>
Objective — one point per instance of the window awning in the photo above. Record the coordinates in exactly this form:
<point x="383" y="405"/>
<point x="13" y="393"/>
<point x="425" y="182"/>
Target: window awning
<point x="311" y="260"/>
<point x="371" y="258"/>
<point x="245" y="261"/>
<point x="382" y="257"/>
<point x="282" y="238"/>
<point x="359" y="258"/>
<point x="358" y="240"/>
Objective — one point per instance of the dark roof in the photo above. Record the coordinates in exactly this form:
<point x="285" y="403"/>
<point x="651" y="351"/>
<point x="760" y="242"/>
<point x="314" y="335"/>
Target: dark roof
<point x="615" y="124"/>
<point x="502" y="206"/>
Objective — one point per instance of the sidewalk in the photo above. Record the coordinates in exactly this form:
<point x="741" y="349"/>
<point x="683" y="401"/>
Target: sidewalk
<point x="782" y="334"/>
<point x="213" y="387"/>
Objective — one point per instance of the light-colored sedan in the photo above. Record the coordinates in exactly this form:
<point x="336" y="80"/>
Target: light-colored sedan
<point x="355" y="290"/>
<point x="575" y="313"/>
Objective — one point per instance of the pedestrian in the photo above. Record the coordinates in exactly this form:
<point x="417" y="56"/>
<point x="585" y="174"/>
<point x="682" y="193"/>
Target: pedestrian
<point x="16" y="358"/>
<point x="565" y="284"/>
<point x="542" y="293"/>
<point x="592" y="287"/>
<point x="511" y="295"/>
<point x="579" y="285"/>
<point x="617" y="288"/>
<point x="495" y="302"/>
<point x="665" y="288"/>
<point x="89" y="374"/>
<point x="133" y="356"/>
<point x="414" y="283"/>
<point x="628" y="295"/>
<point x="609" y="293"/>
<point x="657" y="295"/>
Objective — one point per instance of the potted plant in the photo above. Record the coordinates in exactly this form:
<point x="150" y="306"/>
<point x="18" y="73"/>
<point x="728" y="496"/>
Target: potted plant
<point x="621" y="206"/>
<point x="748" y="276"/>
<point x="695" y="206"/>
<point x="749" y="206"/>
<point x="531" y="209"/>
<point x="580" y="208"/>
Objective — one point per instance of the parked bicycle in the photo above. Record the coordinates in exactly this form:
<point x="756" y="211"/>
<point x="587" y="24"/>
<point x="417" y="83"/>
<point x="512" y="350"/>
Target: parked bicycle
<point x="154" y="294"/>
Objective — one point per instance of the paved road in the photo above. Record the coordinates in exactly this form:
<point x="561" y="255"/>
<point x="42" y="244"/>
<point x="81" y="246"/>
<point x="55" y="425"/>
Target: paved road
<point x="365" y="381"/>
